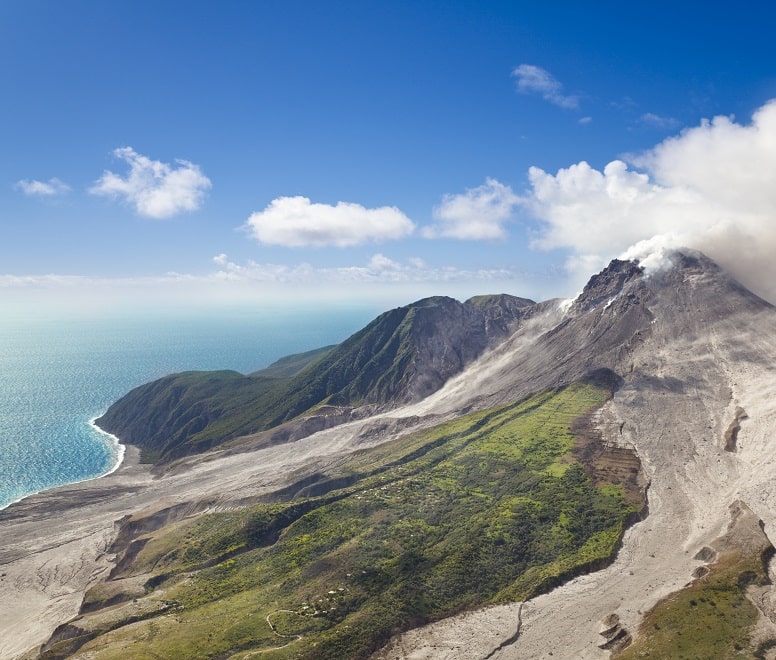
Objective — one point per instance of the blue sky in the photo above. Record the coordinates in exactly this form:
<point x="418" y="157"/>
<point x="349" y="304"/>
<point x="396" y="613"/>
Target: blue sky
<point x="204" y="152"/>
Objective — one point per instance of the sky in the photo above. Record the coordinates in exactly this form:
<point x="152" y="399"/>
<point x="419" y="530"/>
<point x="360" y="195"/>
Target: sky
<point x="238" y="153"/>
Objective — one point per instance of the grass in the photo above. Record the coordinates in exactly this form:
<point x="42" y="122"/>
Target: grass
<point x="395" y="358"/>
<point x="484" y="509"/>
<point x="710" y="619"/>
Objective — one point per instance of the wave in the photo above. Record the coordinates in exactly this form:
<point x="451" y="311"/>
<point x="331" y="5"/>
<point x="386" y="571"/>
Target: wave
<point x="121" y="450"/>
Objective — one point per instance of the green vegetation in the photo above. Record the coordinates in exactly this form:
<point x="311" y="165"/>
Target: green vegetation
<point x="484" y="509"/>
<point x="291" y="365"/>
<point x="710" y="619"/>
<point x="193" y="412"/>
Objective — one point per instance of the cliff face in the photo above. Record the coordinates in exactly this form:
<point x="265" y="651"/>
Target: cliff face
<point x="402" y="356"/>
<point x="419" y="347"/>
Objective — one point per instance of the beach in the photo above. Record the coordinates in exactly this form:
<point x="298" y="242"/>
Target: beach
<point x="54" y="547"/>
<point x="56" y="544"/>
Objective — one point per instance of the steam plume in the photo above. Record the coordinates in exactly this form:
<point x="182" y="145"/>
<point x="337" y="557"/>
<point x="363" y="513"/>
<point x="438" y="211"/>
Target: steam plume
<point x="712" y="187"/>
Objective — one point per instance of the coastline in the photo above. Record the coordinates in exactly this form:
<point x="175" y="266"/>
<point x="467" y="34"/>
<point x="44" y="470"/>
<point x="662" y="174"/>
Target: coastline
<point x="120" y="453"/>
<point x="56" y="545"/>
<point x="121" y="449"/>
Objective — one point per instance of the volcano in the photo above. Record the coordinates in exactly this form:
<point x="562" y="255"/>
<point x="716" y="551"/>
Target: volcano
<point x="686" y="357"/>
<point x="696" y="353"/>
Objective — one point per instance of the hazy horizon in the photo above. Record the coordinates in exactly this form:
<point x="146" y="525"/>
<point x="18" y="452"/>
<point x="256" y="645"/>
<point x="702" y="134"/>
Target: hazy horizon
<point x="201" y="155"/>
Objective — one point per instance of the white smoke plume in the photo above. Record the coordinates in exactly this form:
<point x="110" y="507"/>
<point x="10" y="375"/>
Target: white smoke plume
<point x="712" y="187"/>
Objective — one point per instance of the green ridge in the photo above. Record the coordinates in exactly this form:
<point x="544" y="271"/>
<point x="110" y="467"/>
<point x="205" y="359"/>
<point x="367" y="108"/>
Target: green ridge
<point x="193" y="412"/>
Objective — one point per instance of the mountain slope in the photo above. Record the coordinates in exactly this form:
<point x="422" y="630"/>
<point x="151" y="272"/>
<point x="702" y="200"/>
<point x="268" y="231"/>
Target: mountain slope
<point x="484" y="508"/>
<point x="699" y="369"/>
<point x="690" y="358"/>
<point x="402" y="356"/>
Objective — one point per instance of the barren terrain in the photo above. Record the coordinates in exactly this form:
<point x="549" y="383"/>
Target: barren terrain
<point x="696" y="403"/>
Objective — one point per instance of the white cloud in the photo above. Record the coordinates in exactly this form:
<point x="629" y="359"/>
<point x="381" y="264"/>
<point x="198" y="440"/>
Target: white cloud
<point x="591" y="210"/>
<point x="381" y="262"/>
<point x="477" y="214"/>
<point x="533" y="79"/>
<point x="155" y="189"/>
<point x="50" y="188"/>
<point x="379" y="269"/>
<point x="585" y="120"/>
<point x="710" y="187"/>
<point x="297" y="222"/>
<point x="658" y="121"/>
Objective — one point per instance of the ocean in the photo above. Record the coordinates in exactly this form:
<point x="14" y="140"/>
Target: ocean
<point x="58" y="374"/>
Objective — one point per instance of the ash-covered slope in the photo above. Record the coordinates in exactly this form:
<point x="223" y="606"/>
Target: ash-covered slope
<point x="691" y="356"/>
<point x="614" y="319"/>
<point x="695" y="353"/>
<point x="402" y="356"/>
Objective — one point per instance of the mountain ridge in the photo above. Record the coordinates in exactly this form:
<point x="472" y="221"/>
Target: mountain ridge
<point x="402" y="356"/>
<point x="686" y="353"/>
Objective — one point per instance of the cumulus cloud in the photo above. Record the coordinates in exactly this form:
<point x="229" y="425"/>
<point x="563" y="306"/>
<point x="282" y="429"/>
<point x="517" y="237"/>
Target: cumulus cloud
<point x="533" y="79"/>
<point x="35" y="188"/>
<point x="298" y="222"/>
<point x="477" y="214"/>
<point x="155" y="189"/>
<point x="710" y="187"/>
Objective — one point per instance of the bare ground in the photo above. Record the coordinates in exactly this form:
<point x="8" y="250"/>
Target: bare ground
<point x="680" y="395"/>
<point x="683" y="387"/>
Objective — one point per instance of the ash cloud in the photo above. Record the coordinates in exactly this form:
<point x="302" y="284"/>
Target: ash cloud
<point x="711" y="188"/>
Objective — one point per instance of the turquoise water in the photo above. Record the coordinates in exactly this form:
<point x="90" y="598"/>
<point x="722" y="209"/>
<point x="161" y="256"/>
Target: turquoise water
<point x="56" y="375"/>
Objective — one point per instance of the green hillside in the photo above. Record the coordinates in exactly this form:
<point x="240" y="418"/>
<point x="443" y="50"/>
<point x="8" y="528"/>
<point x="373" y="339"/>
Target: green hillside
<point x="489" y="508"/>
<point x="404" y="354"/>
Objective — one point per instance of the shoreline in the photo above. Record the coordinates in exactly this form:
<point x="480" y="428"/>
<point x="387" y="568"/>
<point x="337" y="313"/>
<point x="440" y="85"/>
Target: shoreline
<point x="120" y="454"/>
<point x="121" y="449"/>
<point x="56" y="545"/>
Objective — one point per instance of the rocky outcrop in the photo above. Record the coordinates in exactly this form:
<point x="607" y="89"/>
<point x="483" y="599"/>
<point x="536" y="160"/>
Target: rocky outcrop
<point x="616" y="637"/>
